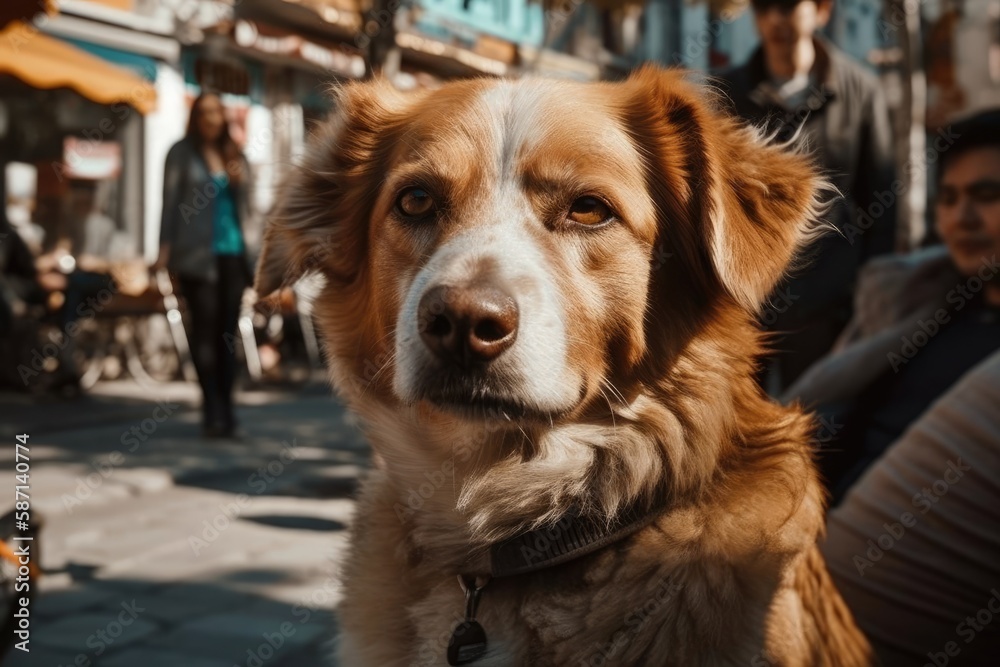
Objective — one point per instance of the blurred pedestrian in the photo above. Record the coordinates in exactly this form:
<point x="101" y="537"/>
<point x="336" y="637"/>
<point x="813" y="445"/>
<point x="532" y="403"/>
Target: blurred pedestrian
<point x="18" y="279"/>
<point x="79" y="266"/>
<point x="20" y="288"/>
<point x="25" y="293"/>
<point x="205" y="203"/>
<point x="923" y="321"/>
<point x="799" y="84"/>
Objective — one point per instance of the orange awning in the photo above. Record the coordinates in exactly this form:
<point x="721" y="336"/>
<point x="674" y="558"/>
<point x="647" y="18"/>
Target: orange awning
<point x="46" y="62"/>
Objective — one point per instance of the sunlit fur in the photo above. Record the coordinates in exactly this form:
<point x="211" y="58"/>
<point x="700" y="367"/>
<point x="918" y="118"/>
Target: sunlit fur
<point x="644" y="329"/>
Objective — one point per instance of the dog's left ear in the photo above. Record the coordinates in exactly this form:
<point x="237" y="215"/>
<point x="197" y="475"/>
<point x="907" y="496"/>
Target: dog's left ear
<point x="754" y="203"/>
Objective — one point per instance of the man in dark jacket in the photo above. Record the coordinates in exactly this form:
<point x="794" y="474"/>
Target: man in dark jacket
<point x="798" y="85"/>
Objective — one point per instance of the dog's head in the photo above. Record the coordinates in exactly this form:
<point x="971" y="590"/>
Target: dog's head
<point x="516" y="247"/>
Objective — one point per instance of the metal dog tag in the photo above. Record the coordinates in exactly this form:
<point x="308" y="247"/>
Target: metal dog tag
<point x="468" y="639"/>
<point x="468" y="643"/>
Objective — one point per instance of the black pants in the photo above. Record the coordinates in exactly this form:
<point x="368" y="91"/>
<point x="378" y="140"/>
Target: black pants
<point x="213" y="311"/>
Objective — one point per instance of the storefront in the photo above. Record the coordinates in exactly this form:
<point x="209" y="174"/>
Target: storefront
<point x="69" y="117"/>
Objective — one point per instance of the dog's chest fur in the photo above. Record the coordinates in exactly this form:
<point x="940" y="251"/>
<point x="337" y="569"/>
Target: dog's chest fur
<point x="659" y="597"/>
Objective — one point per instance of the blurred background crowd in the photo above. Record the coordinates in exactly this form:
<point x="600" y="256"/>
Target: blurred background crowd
<point x="142" y="143"/>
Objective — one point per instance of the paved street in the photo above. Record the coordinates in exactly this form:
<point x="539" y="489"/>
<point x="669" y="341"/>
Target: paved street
<point x="165" y="550"/>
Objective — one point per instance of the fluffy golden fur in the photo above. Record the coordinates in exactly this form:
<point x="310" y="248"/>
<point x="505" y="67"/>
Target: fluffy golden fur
<point x="630" y="380"/>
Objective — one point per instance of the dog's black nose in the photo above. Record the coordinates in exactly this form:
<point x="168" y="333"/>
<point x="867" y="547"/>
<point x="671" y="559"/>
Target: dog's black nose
<point x="466" y="325"/>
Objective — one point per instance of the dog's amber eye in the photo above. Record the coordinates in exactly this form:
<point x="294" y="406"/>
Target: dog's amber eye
<point x="415" y="202"/>
<point x="589" y="211"/>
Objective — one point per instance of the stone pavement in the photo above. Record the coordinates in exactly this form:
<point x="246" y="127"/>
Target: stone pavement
<point x="162" y="549"/>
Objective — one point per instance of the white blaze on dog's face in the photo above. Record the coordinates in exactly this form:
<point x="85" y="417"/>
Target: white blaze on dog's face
<point x="528" y="249"/>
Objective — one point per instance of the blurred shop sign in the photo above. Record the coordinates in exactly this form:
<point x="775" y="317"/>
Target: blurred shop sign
<point x="91" y="160"/>
<point x="269" y="39"/>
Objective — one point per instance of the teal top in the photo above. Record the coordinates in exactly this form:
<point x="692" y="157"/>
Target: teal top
<point x="226" y="236"/>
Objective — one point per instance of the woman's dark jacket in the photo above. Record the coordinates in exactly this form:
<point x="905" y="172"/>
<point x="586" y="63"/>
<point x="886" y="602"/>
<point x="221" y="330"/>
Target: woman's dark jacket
<point x="189" y="208"/>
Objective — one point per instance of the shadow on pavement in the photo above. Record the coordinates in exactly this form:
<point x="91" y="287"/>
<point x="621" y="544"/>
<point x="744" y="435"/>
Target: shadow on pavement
<point x="298" y="522"/>
<point x="301" y="445"/>
<point x="135" y="623"/>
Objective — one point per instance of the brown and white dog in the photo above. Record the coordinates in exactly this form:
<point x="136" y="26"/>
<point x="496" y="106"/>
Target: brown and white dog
<point x="539" y="297"/>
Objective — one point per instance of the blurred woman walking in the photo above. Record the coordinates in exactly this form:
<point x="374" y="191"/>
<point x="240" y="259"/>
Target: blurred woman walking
<point x="205" y="203"/>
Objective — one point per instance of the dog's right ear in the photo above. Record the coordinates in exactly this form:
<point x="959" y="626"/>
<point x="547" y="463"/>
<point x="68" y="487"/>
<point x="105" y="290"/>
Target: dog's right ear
<point x="319" y="221"/>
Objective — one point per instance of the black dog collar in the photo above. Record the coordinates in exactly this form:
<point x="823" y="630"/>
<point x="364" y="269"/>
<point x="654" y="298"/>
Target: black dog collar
<point x="572" y="537"/>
